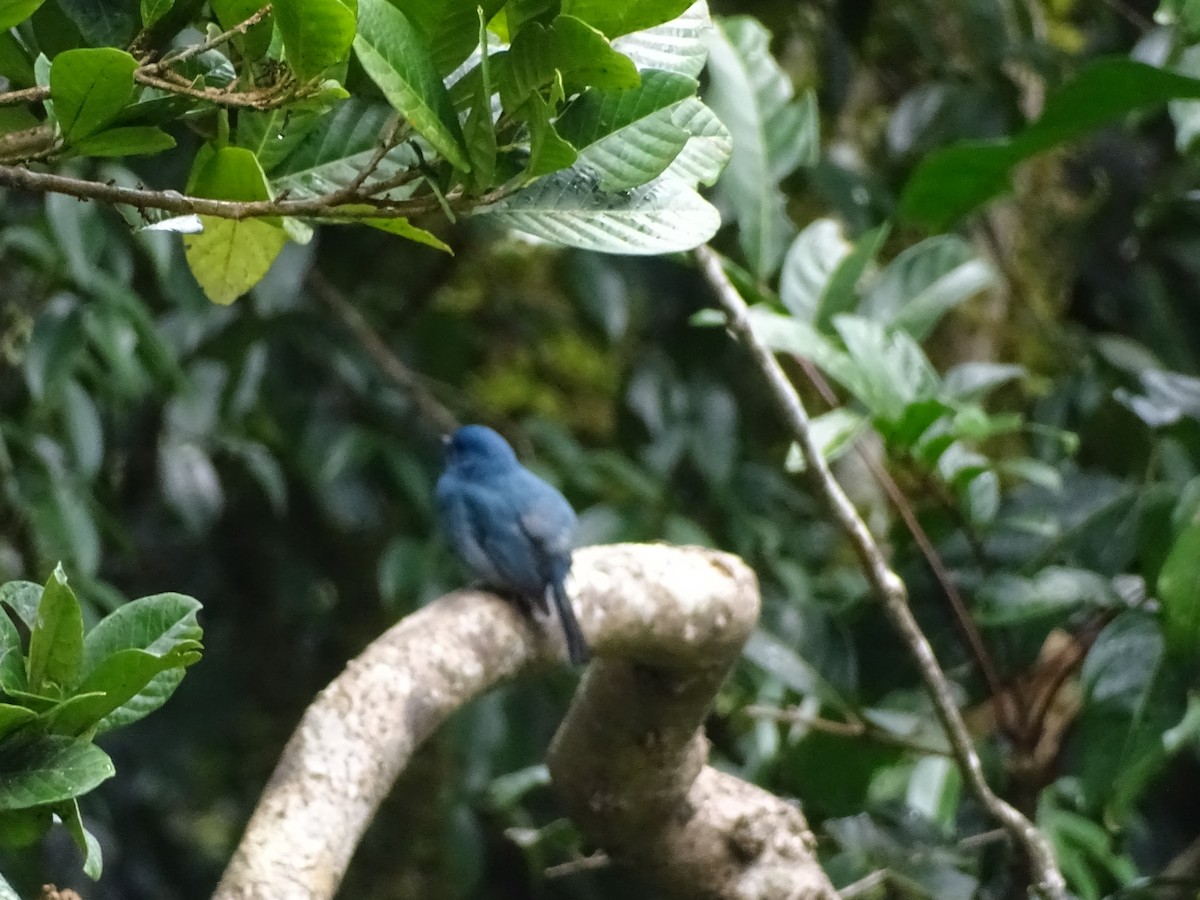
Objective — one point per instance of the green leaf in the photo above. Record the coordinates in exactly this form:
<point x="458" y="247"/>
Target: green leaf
<point x="132" y="141"/>
<point x="90" y="87"/>
<point x="772" y="135"/>
<point x="93" y="859"/>
<point x="567" y="48"/>
<point x="21" y="828"/>
<point x="12" y="660"/>
<point x="231" y="13"/>
<point x="1133" y="696"/>
<point x="924" y="282"/>
<point x="22" y="597"/>
<point x="231" y="256"/>
<point x="13" y="718"/>
<point x="335" y="150"/>
<point x="316" y="34"/>
<point x="708" y="148"/>
<point x="117" y="679"/>
<point x="677" y="46"/>
<point x="405" y="229"/>
<point x="14" y="12"/>
<point x="56" y="639"/>
<point x="394" y="55"/>
<point x="153" y="10"/>
<point x="809" y="265"/>
<point x="629" y="137"/>
<point x="272" y="135"/>
<point x="102" y="22"/>
<point x="567" y="208"/>
<point x="82" y="422"/>
<point x="50" y="769"/>
<point x="953" y="181"/>
<point x="157" y="625"/>
<point x="479" y="129"/>
<point x="787" y="334"/>
<point x="834" y="432"/>
<point x="1056" y="591"/>
<point x="1179" y="592"/>
<point x="892" y="369"/>
<point x="617" y="17"/>
<point x="547" y="151"/>
<point x="449" y="26"/>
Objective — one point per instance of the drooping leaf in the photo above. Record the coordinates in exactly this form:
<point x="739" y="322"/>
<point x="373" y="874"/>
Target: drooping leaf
<point x="393" y="53"/>
<point x="617" y="17"/>
<point x="93" y="858"/>
<point x="1133" y="696"/>
<point x="951" y="182"/>
<point x="89" y="88"/>
<point x="14" y="12"/>
<point x="924" y="282"/>
<point x="317" y="34"/>
<point x="567" y="208"/>
<point x="772" y="135"/>
<point x="157" y="625"/>
<point x="12" y="659"/>
<point x="450" y="27"/>
<point x="56" y="638"/>
<point x="548" y="152"/>
<point x="675" y="46"/>
<point x="568" y="49"/>
<point x="231" y="256"/>
<point x="1179" y="591"/>
<point x="50" y="769"/>
<point x="629" y="137"/>
<point x="132" y="141"/>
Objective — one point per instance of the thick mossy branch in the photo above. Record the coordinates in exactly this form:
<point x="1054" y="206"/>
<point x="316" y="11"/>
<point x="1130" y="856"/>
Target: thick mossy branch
<point x="666" y="623"/>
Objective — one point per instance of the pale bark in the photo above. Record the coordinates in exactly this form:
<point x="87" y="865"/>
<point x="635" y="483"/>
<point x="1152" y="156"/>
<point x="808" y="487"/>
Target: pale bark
<point x="665" y="623"/>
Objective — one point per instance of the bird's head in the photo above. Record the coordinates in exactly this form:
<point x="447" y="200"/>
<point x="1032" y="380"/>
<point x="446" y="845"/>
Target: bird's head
<point x="477" y="449"/>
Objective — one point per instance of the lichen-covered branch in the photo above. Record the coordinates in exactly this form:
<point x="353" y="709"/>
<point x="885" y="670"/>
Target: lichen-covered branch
<point x="665" y="622"/>
<point x="888" y="586"/>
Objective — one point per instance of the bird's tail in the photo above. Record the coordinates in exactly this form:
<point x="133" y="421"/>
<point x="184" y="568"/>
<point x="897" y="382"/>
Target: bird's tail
<point x="577" y="648"/>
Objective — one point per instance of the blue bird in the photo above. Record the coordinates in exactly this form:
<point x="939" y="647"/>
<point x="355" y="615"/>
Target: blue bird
<point x="511" y="528"/>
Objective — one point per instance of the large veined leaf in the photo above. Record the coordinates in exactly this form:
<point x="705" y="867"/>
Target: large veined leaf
<point x="231" y="256"/>
<point x="617" y="17"/>
<point x="677" y="46"/>
<point x="629" y="137"/>
<point x="772" y="135"/>
<point x="954" y="180"/>
<point x="567" y="208"/>
<point x="925" y="281"/>
<point x="335" y="150"/>
<point x="393" y="53"/>
<point x="450" y="27"/>
<point x="709" y="144"/>
<point x="89" y="88"/>
<point x="809" y="265"/>
<point x="50" y="769"/>
<point x="566" y="49"/>
<point x="316" y="33"/>
<point x="1133" y="695"/>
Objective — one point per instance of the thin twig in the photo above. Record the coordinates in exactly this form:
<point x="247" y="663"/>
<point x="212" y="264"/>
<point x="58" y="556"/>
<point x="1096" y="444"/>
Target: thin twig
<point x="862" y="728"/>
<point x="216" y="41"/>
<point x="182" y="204"/>
<point x="1048" y="880"/>
<point x="589" y="863"/>
<point x="410" y="382"/>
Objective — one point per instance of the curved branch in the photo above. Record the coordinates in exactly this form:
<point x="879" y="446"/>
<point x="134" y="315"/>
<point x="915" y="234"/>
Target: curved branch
<point x="887" y="585"/>
<point x="676" y="616"/>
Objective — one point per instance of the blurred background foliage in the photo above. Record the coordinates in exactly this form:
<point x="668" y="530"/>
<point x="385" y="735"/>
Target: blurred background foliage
<point x="260" y="458"/>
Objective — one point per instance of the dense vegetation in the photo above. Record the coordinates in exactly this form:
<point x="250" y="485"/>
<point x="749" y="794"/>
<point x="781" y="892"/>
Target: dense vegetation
<point x="968" y="229"/>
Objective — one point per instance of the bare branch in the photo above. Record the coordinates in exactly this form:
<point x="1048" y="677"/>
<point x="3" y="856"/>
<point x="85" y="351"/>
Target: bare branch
<point x="680" y="613"/>
<point x="410" y="382"/>
<point x="1048" y="880"/>
<point x="181" y="204"/>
